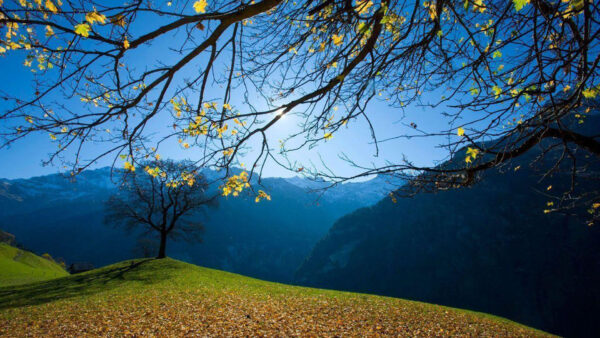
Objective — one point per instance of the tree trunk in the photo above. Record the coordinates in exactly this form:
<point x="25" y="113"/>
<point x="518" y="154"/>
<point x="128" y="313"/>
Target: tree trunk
<point x="163" y="245"/>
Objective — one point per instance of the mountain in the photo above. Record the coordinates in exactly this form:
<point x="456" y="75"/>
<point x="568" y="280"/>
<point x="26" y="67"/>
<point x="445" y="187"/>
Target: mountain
<point x="488" y="248"/>
<point x="64" y="216"/>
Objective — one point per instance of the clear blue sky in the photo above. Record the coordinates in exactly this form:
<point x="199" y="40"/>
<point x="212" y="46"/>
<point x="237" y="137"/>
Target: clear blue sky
<point x="24" y="158"/>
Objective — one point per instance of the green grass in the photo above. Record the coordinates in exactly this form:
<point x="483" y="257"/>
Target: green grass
<point x="19" y="267"/>
<point x="172" y="298"/>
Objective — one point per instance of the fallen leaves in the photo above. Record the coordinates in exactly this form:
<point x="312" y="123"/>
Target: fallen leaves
<point x="222" y="304"/>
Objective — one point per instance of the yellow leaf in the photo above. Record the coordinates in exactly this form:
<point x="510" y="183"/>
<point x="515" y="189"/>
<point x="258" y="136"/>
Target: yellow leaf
<point x="497" y="91"/>
<point x="93" y="17"/>
<point x="519" y="4"/>
<point x="128" y="166"/>
<point x="460" y="131"/>
<point x="51" y="7"/>
<point x="200" y="6"/>
<point x="83" y="29"/>
<point x="49" y="31"/>
<point x="362" y="6"/>
<point x="337" y="39"/>
<point x="590" y="93"/>
<point x="262" y="195"/>
<point x="472" y="152"/>
<point x="126" y="43"/>
<point x="328" y="136"/>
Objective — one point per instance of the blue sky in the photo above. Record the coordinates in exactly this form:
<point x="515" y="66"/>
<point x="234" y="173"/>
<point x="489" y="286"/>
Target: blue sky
<point x="24" y="158"/>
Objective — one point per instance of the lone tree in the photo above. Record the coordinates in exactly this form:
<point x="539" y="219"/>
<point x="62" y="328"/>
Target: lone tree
<point x="504" y="76"/>
<point x="162" y="201"/>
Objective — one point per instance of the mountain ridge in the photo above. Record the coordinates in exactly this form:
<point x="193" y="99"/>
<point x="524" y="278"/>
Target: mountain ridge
<point x="267" y="240"/>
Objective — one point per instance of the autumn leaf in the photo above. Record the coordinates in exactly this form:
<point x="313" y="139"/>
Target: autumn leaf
<point x="362" y="6"/>
<point x="49" y="31"/>
<point x="590" y="93"/>
<point x="118" y="20"/>
<point x="460" y="131"/>
<point x="262" y="195"/>
<point x="128" y="166"/>
<point x="126" y="43"/>
<point x="51" y="7"/>
<point x="497" y="91"/>
<point x="93" y="17"/>
<point x="83" y="29"/>
<point x="328" y="136"/>
<point x="519" y="4"/>
<point x="472" y="152"/>
<point x="337" y="39"/>
<point x="200" y="6"/>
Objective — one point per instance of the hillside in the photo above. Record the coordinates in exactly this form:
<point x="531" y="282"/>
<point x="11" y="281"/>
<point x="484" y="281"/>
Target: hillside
<point x="489" y="248"/>
<point x="19" y="267"/>
<point x="267" y="240"/>
<point x="173" y="298"/>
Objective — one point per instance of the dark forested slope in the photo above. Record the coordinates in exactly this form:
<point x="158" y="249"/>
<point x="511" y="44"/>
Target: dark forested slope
<point x="489" y="248"/>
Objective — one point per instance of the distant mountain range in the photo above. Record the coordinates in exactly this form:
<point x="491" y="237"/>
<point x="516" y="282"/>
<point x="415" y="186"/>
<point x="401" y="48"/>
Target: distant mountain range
<point x="64" y="217"/>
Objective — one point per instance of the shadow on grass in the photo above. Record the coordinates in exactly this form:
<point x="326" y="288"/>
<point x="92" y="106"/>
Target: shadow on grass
<point x="83" y="284"/>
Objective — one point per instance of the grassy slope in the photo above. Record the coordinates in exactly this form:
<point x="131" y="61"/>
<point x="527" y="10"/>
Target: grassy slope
<point x="169" y="297"/>
<point x="18" y="267"/>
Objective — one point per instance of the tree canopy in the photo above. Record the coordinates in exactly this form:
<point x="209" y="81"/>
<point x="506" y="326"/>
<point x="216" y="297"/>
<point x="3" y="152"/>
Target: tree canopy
<point x="508" y="76"/>
<point x="162" y="202"/>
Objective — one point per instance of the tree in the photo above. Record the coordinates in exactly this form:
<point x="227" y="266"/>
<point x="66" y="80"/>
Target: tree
<point x="162" y="200"/>
<point x="504" y="76"/>
<point x="145" y="247"/>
